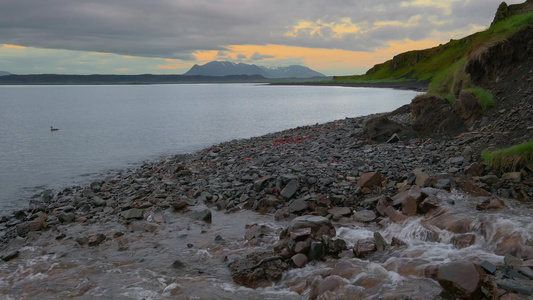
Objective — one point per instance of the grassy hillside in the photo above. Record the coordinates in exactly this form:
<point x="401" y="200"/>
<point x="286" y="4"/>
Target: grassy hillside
<point x="443" y="65"/>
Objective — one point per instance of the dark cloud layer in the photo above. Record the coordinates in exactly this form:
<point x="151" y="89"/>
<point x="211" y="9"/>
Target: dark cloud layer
<point x="177" y="28"/>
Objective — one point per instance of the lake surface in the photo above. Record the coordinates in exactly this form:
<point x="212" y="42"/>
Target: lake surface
<point x="103" y="129"/>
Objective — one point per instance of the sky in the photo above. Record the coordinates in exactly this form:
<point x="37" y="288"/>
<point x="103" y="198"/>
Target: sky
<point x="337" y="37"/>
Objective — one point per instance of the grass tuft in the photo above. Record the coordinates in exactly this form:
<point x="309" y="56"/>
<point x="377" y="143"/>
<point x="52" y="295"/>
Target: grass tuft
<point x="484" y="97"/>
<point x="511" y="159"/>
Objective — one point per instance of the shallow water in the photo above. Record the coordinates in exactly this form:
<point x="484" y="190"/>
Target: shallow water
<point x="136" y="260"/>
<point x="110" y="128"/>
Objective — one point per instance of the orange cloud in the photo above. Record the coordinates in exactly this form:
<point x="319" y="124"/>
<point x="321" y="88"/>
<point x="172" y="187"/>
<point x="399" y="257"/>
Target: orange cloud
<point x="206" y="55"/>
<point x="330" y="60"/>
<point x="123" y="69"/>
<point x="174" y="66"/>
<point x="13" y="46"/>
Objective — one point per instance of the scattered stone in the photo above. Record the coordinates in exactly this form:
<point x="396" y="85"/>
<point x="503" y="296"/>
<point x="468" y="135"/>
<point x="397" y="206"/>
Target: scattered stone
<point x="461" y="278"/>
<point x="290" y="189"/>
<point x="10" y="255"/>
<point x="96" y="240"/>
<point x="365" y="247"/>
<point x="369" y="179"/>
<point x="491" y="204"/>
<point x="299" y="260"/>
<point x="488" y="267"/>
<point x="133" y="214"/>
<point x="202" y="215"/>
<point x="364" y="216"/>
<point x="66" y="217"/>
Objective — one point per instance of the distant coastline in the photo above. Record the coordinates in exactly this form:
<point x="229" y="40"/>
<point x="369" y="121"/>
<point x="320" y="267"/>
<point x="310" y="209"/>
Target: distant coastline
<point x="97" y="79"/>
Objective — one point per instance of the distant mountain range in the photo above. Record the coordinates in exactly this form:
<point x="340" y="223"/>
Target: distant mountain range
<point x="3" y="73"/>
<point x="225" y="68"/>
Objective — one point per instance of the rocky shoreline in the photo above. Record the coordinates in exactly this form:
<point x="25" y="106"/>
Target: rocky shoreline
<point x="311" y="177"/>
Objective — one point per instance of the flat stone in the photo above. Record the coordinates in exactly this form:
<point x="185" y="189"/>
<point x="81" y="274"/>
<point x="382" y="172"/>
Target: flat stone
<point x="97" y="201"/>
<point x="298" y="206"/>
<point x="488" y="267"/>
<point x="66" y="217"/>
<point x="134" y="213"/>
<point x="461" y="278"/>
<point x="514" y="286"/>
<point x="290" y="189"/>
<point x="364" y="216"/>
<point x="202" y="215"/>
<point x="340" y="211"/>
<point x="512" y="176"/>
<point x="10" y="255"/>
<point x="369" y="179"/>
<point x="365" y="247"/>
<point x="394" y="215"/>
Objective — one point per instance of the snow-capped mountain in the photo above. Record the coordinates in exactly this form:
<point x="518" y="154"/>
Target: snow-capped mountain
<point x="225" y="68"/>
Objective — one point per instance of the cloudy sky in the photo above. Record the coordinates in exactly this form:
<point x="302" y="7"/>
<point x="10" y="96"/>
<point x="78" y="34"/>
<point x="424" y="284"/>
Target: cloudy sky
<point x="337" y="37"/>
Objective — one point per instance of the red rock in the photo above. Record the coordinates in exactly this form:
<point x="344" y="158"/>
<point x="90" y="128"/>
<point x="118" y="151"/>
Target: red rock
<point x="463" y="240"/>
<point x="472" y="189"/>
<point x="364" y="248"/>
<point x="382" y="205"/>
<point x="299" y="260"/>
<point x="96" y="240"/>
<point x="510" y="244"/>
<point x="463" y="279"/>
<point x="394" y="215"/>
<point x="491" y="204"/>
<point x="412" y="199"/>
<point x="369" y="179"/>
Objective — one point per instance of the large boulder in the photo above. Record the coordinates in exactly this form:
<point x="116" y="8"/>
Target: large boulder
<point x="468" y="107"/>
<point x="435" y="116"/>
<point x="380" y="129"/>
<point x="463" y="279"/>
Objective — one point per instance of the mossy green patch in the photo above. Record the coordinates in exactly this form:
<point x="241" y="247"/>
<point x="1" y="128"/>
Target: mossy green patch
<point x="510" y="159"/>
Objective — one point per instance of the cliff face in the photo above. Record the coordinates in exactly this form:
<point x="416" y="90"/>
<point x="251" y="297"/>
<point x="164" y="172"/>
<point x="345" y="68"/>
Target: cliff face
<point x="488" y="65"/>
<point x="506" y="11"/>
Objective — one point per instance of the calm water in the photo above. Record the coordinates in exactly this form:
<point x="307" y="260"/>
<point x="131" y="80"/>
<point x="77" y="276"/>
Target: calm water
<point x="106" y="128"/>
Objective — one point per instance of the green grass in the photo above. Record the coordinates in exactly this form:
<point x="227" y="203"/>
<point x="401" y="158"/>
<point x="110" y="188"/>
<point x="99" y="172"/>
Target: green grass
<point x="444" y="65"/>
<point x="510" y="159"/>
<point x="484" y="97"/>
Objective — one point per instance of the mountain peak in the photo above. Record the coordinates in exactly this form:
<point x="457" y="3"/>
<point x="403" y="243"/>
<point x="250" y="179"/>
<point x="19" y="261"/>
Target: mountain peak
<point x="225" y="68"/>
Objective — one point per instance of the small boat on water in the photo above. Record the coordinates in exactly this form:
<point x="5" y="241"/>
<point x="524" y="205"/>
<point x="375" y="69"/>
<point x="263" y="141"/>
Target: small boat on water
<point x="53" y="129"/>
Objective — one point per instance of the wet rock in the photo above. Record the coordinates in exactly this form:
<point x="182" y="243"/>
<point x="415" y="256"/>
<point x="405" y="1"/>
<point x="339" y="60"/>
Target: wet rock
<point x="290" y="189"/>
<point x="298" y="206"/>
<point x="318" y="226"/>
<point x="329" y="287"/>
<point x="259" y="269"/>
<point x="96" y="240"/>
<point x="258" y="233"/>
<point x="10" y="255"/>
<point x="133" y="214"/>
<point x="463" y="240"/>
<point x="380" y="129"/>
<point x="201" y="215"/>
<point x="512" y="177"/>
<point x="394" y="215"/>
<point x="299" y="260"/>
<point x="491" y="204"/>
<point x="97" y="201"/>
<point x="179" y="205"/>
<point x="66" y="217"/>
<point x="461" y="278"/>
<point x="515" y="286"/>
<point x="429" y="204"/>
<point x="316" y="251"/>
<point x="489" y="179"/>
<point x="369" y="179"/>
<point x="365" y="247"/>
<point x="410" y="200"/>
<point x="472" y="189"/>
<point x="177" y="264"/>
<point x="364" y="216"/>
<point x="488" y="267"/>
<point x="338" y="212"/>
<point x="381" y="244"/>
